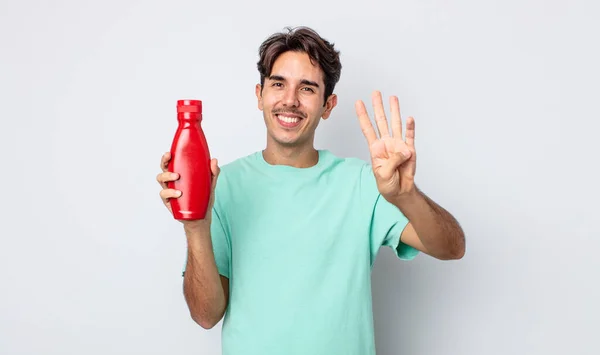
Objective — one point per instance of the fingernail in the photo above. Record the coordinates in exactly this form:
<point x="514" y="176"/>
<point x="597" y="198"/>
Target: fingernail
<point x="406" y="153"/>
<point x="174" y="176"/>
<point x="178" y="193"/>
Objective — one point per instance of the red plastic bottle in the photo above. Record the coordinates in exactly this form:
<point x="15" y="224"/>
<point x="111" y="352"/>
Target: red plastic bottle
<point x="190" y="158"/>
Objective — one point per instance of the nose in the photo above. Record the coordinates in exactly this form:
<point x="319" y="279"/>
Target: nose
<point x="290" y="98"/>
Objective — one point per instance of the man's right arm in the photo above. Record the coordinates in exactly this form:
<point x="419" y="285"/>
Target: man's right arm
<point x="206" y="292"/>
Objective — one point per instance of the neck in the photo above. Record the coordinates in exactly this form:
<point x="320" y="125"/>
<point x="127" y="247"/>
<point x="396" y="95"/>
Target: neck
<point x="297" y="157"/>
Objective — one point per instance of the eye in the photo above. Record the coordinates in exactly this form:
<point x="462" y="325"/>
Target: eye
<point x="309" y="89"/>
<point x="277" y="85"/>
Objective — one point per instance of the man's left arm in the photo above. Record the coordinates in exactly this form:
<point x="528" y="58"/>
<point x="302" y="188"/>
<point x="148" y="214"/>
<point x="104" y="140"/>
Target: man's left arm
<point x="431" y="229"/>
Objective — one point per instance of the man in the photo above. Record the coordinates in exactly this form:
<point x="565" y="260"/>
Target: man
<point x="286" y="254"/>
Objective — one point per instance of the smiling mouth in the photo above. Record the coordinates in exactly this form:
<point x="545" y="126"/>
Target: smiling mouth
<point x="288" y="120"/>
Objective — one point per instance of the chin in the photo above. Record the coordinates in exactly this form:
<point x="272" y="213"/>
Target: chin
<point x="286" y="141"/>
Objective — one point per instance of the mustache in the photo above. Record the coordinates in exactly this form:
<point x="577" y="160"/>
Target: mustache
<point x="293" y="112"/>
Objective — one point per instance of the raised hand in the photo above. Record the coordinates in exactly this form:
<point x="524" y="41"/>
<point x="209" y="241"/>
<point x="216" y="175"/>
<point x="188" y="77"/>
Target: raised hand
<point x="394" y="160"/>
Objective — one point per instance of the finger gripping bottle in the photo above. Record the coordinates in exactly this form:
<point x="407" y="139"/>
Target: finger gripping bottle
<point x="190" y="158"/>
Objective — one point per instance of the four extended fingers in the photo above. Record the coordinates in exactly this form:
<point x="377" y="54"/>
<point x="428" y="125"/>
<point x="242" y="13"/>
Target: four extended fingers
<point x="381" y="120"/>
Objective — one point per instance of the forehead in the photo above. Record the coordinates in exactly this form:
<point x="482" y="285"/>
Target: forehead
<point x="297" y="66"/>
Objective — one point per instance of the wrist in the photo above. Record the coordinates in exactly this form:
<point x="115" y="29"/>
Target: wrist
<point x="407" y="198"/>
<point x="196" y="230"/>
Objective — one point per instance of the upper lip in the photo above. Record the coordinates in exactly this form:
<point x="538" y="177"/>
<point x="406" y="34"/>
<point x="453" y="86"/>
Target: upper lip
<point x="289" y="114"/>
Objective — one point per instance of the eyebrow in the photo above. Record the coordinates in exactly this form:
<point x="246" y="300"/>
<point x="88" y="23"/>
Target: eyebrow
<point x="303" y="81"/>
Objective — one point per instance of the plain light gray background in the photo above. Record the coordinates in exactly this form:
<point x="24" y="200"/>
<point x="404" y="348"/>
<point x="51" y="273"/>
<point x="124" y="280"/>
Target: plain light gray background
<point x="505" y="96"/>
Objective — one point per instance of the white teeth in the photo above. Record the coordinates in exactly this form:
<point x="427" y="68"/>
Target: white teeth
<point x="288" y="119"/>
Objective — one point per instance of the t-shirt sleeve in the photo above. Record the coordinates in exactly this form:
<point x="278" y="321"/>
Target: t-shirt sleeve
<point x="386" y="221"/>
<point x="221" y="245"/>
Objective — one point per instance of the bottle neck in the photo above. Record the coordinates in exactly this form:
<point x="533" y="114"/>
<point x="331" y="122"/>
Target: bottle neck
<point x="189" y="116"/>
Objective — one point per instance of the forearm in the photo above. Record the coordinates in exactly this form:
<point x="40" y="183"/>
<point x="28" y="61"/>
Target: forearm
<point x="203" y="290"/>
<point x="437" y="229"/>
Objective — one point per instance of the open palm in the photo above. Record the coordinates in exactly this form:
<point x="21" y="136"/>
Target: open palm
<point x="394" y="159"/>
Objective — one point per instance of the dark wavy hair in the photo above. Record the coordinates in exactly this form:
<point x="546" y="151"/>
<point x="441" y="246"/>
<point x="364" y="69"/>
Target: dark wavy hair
<point x="301" y="39"/>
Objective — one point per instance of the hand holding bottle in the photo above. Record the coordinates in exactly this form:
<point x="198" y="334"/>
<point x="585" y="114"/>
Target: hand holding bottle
<point x="167" y="193"/>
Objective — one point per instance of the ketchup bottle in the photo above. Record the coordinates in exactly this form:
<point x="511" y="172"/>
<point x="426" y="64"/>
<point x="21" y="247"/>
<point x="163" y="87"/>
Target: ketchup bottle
<point x="190" y="158"/>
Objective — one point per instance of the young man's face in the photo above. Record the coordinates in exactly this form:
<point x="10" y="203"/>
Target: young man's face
<point x="292" y="100"/>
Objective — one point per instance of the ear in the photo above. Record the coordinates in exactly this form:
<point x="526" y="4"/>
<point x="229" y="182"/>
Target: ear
<point x="259" y="96"/>
<point x="329" y="105"/>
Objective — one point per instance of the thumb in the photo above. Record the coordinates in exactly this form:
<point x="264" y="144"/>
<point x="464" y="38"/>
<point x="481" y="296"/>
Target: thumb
<point x="214" y="168"/>
<point x="215" y="171"/>
<point x="392" y="163"/>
